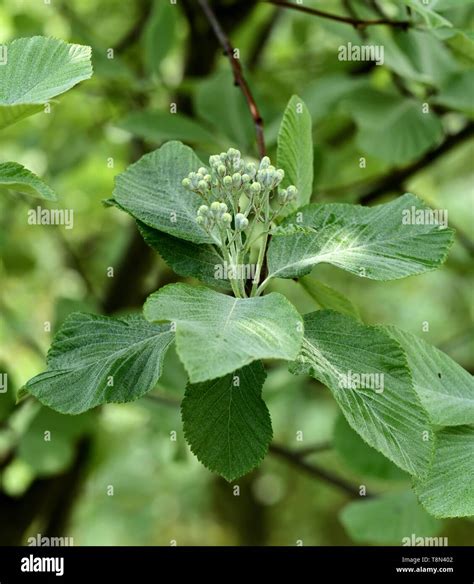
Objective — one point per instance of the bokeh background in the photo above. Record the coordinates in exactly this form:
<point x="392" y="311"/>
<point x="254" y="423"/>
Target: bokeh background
<point x="116" y="476"/>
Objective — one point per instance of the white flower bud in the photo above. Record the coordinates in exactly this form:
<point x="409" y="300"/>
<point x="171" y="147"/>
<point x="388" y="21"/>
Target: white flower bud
<point x="186" y="183"/>
<point x="203" y="210"/>
<point x="200" y="220"/>
<point x="226" y="219"/>
<point x="245" y="179"/>
<point x="292" y="193"/>
<point x="214" y="161"/>
<point x="202" y="171"/>
<point x="251" y="169"/>
<point x="236" y="180"/>
<point x="221" y="170"/>
<point x="255" y="188"/>
<point x="227" y="181"/>
<point x="203" y="185"/>
<point x="215" y="207"/>
<point x="280" y="175"/>
<point x="241" y="222"/>
<point x="223" y="208"/>
<point x="264" y="163"/>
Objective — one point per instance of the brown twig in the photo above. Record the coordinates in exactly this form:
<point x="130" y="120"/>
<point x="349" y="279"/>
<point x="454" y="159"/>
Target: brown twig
<point x="315" y="471"/>
<point x="355" y="22"/>
<point x="238" y="74"/>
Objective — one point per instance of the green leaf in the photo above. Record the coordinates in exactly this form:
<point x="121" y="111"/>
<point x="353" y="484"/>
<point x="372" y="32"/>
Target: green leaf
<point x="36" y="70"/>
<point x="445" y="389"/>
<point x="323" y="94"/>
<point x="226" y="422"/>
<point x="431" y="18"/>
<point x="447" y="490"/>
<point x="159" y="34"/>
<point x="295" y="149"/>
<point x="49" y="454"/>
<point x="220" y="103"/>
<point x="385" y="411"/>
<point x="457" y="92"/>
<point x="217" y="334"/>
<point x="151" y="191"/>
<point x="373" y="242"/>
<point x="360" y="457"/>
<point x="392" y="128"/>
<point x="186" y="258"/>
<point x="159" y="126"/>
<point x="416" y="55"/>
<point x="15" y="177"/>
<point x="97" y="359"/>
<point x="328" y="298"/>
<point x="389" y="519"/>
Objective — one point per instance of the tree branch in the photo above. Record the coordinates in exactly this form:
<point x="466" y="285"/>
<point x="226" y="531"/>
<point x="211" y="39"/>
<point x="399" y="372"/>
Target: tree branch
<point x="396" y="179"/>
<point x="294" y="459"/>
<point x="355" y="22"/>
<point x="238" y="74"/>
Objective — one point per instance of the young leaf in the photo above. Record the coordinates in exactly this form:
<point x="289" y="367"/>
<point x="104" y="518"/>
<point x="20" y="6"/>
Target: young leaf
<point x="97" y="359"/>
<point x="445" y="389"/>
<point x="295" y="149"/>
<point x="328" y="298"/>
<point x="380" y="242"/>
<point x="388" y="519"/>
<point x="447" y="490"/>
<point x="226" y="422"/>
<point x="367" y="372"/>
<point x="360" y="457"/>
<point x="217" y="334"/>
<point x="186" y="258"/>
<point x="15" y="177"/>
<point x="36" y="70"/>
<point x="151" y="191"/>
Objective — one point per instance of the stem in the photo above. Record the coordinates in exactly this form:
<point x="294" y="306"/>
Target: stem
<point x="355" y="22"/>
<point x="263" y="285"/>
<point x="261" y="257"/>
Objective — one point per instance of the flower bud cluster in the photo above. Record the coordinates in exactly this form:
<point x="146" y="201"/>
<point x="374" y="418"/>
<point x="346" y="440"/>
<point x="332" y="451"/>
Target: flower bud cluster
<point x="226" y="180"/>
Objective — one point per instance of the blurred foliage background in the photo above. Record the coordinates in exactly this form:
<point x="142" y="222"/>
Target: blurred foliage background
<point x="123" y="475"/>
